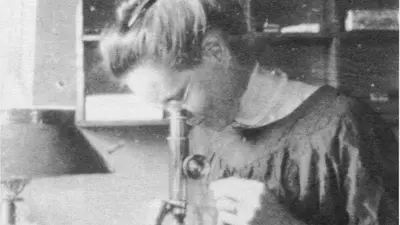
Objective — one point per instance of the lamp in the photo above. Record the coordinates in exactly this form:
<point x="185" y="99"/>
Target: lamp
<point x="39" y="143"/>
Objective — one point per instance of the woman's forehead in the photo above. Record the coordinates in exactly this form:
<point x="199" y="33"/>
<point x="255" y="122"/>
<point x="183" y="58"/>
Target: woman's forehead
<point x="147" y="79"/>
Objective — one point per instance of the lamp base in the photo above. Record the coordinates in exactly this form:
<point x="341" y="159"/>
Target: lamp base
<point x="12" y="189"/>
<point x="8" y="213"/>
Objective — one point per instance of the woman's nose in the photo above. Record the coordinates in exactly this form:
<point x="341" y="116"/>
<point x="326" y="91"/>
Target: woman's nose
<point x="176" y="95"/>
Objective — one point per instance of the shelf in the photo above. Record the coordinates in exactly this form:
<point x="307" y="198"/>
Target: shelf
<point x="275" y="37"/>
<point x="290" y="37"/>
<point x="371" y="35"/>
<point x="93" y="124"/>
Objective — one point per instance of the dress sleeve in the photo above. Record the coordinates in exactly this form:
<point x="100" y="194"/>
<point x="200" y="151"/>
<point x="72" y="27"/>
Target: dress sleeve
<point x="362" y="156"/>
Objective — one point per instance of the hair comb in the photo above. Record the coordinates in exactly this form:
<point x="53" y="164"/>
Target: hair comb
<point x="143" y="10"/>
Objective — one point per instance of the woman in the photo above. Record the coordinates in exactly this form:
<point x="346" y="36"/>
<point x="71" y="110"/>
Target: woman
<point x="281" y="152"/>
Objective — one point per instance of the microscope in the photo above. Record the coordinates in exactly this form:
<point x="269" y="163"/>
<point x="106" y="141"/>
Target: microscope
<point x="183" y="167"/>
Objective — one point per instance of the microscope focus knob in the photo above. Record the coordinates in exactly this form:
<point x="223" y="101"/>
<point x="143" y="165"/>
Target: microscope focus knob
<point x="196" y="166"/>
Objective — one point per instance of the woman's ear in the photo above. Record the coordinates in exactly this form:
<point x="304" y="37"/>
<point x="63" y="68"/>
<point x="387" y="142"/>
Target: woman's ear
<point x="214" y="47"/>
<point x="245" y="48"/>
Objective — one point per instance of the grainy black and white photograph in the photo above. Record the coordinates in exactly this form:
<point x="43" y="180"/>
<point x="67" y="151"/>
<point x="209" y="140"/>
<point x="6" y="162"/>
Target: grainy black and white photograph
<point x="199" y="112"/>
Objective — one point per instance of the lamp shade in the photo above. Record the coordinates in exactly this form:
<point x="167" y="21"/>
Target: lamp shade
<point x="44" y="142"/>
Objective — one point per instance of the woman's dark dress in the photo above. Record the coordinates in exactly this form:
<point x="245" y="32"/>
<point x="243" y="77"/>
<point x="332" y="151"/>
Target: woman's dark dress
<point x="329" y="162"/>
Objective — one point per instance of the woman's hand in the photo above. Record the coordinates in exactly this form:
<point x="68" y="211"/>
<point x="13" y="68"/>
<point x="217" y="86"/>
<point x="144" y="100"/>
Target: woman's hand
<point x="247" y="202"/>
<point x="237" y="200"/>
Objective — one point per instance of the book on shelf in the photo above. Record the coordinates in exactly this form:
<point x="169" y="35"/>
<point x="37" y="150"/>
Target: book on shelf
<point x="372" y="20"/>
<point x="310" y="28"/>
<point x="302" y="28"/>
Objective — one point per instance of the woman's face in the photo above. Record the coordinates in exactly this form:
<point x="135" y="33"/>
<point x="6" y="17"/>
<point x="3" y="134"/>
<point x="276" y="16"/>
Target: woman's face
<point x="213" y="90"/>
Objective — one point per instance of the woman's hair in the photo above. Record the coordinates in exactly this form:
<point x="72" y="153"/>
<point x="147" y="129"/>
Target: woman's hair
<point x="166" y="31"/>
